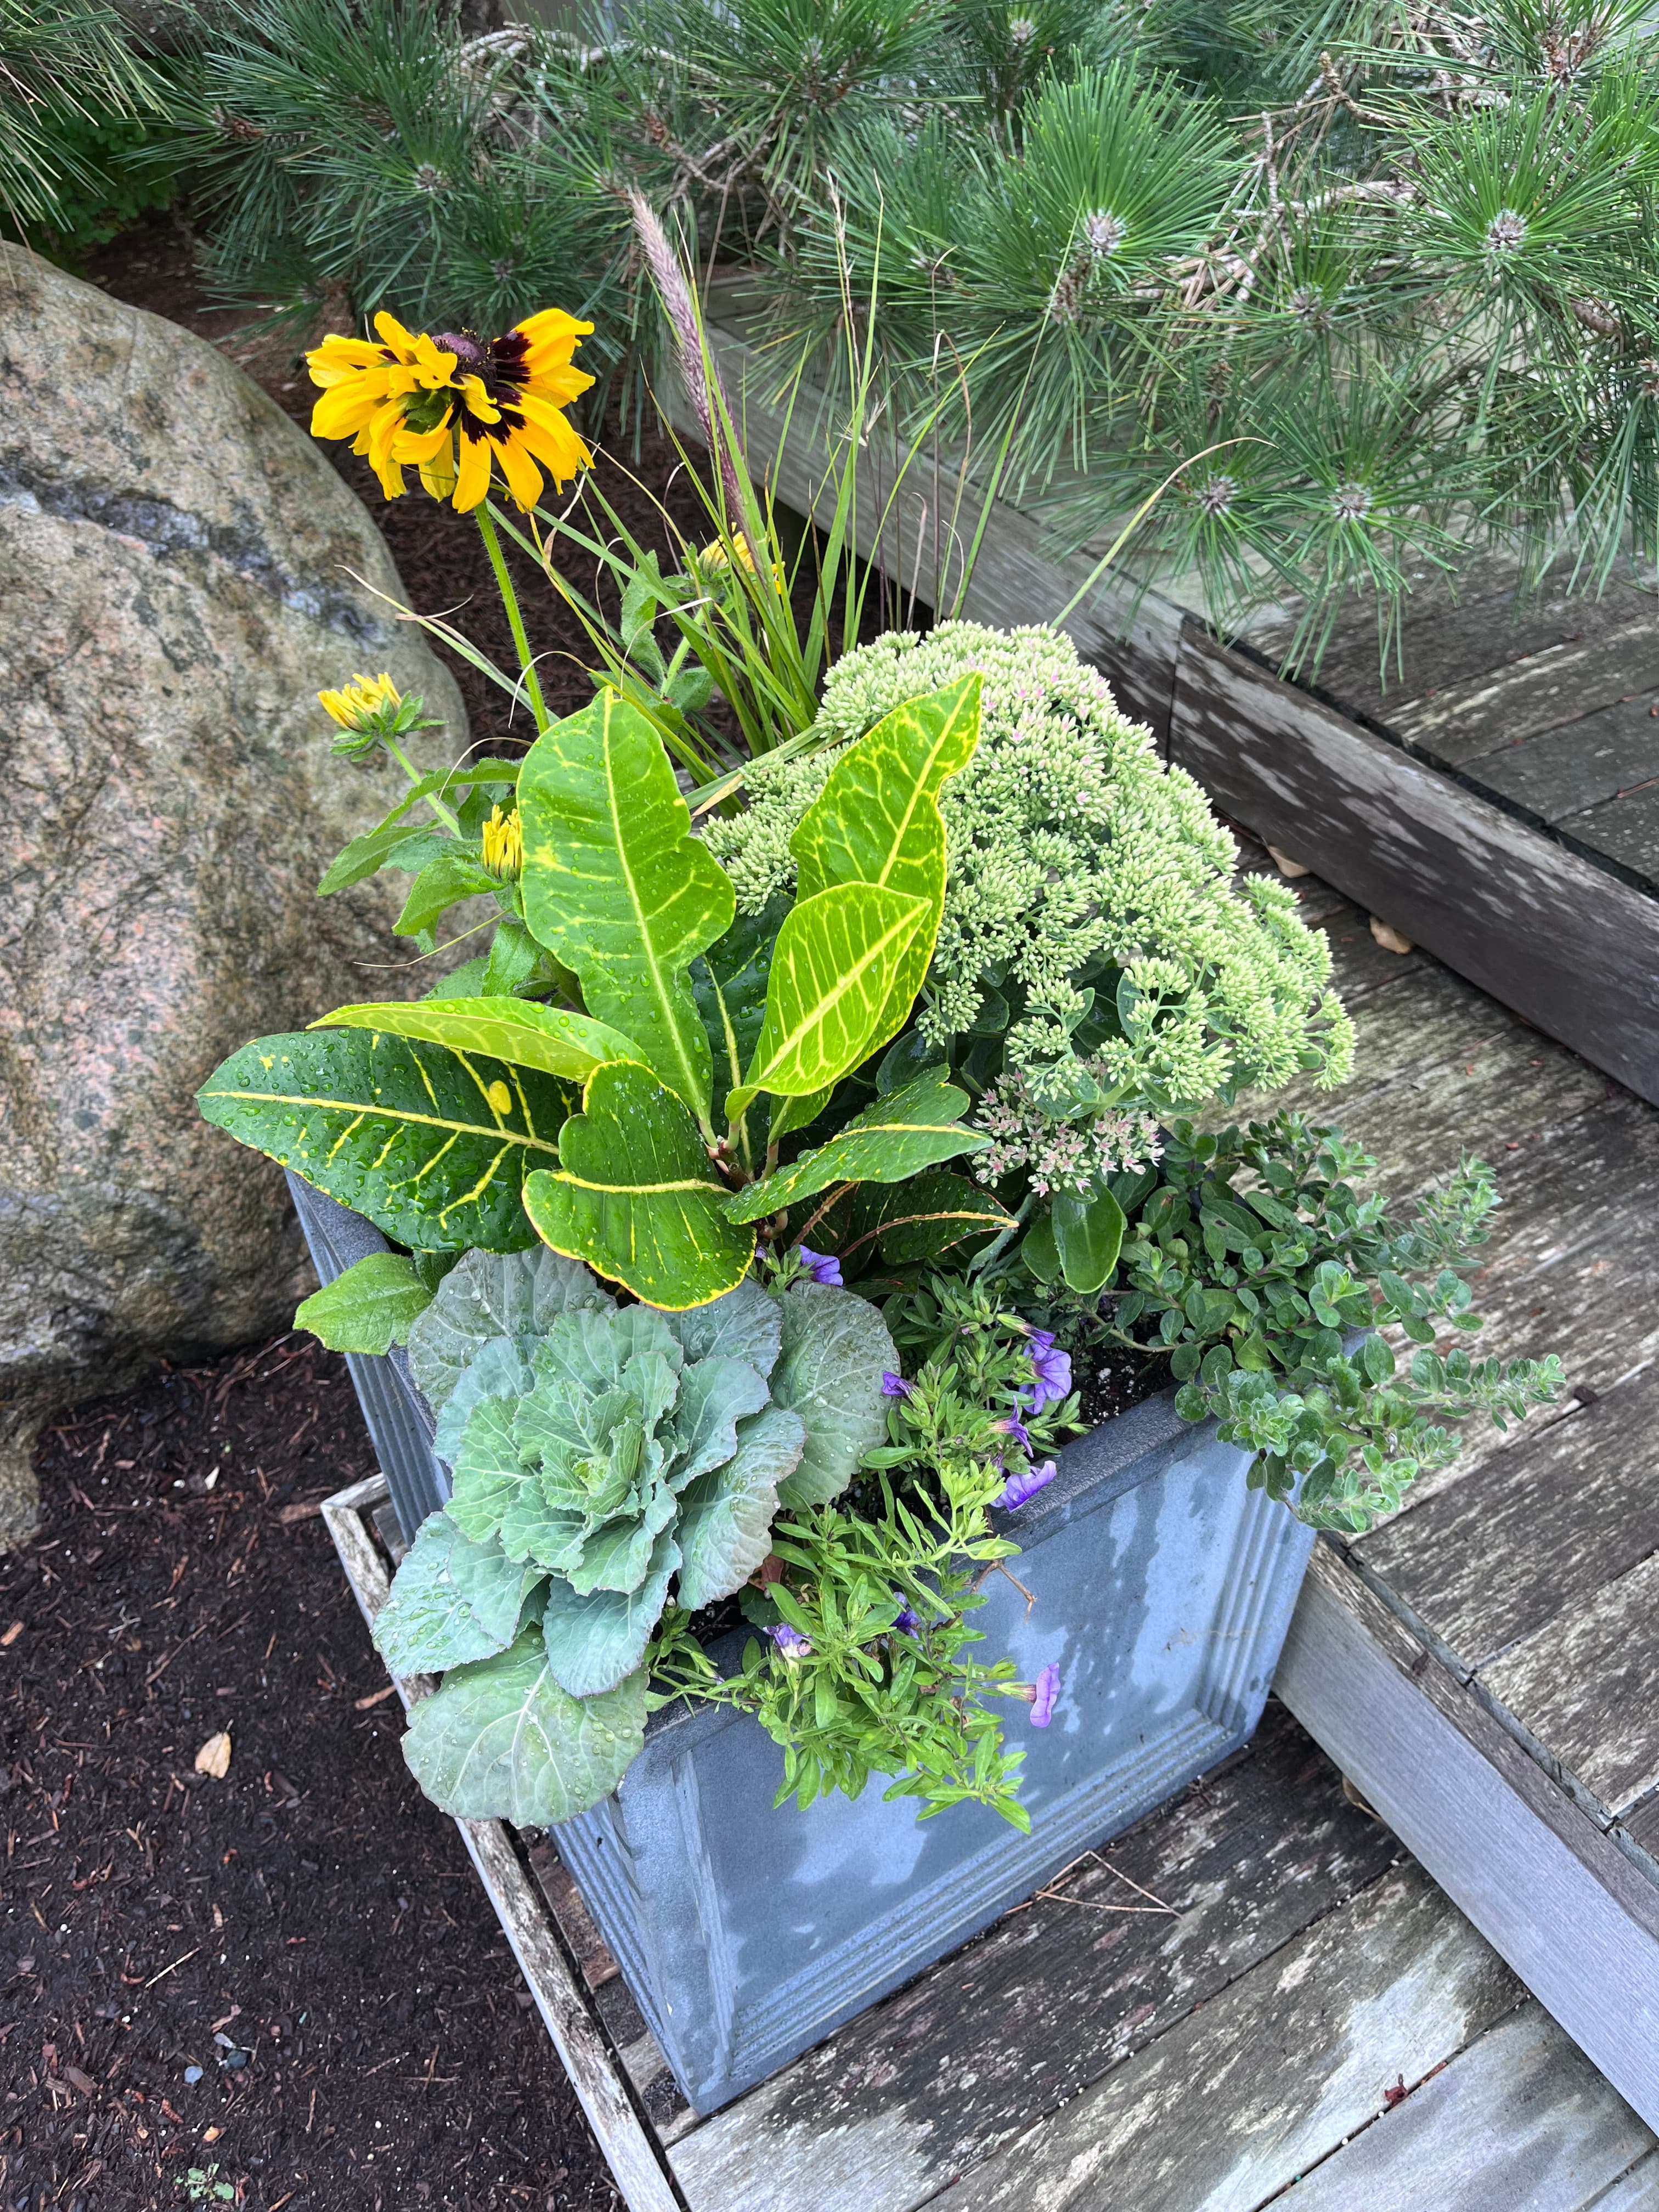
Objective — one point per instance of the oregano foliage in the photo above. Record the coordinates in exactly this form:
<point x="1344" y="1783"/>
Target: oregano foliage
<point x="1257" y="1265"/>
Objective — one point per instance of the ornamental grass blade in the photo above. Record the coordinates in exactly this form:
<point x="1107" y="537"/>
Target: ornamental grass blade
<point x="635" y="1196"/>
<point x="833" y="971"/>
<point x="431" y="1144"/>
<point x="616" y="886"/>
<point x="877" y="820"/>
<point x="551" y="1039"/>
<point x="910" y="1129"/>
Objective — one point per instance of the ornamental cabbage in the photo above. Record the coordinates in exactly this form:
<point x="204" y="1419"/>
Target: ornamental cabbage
<point x="605" y="1459"/>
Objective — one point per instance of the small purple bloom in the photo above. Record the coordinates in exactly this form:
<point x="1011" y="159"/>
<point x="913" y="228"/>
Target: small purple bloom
<point x="895" y="1386"/>
<point x="789" y="1641"/>
<point x="1044" y="1695"/>
<point x="1024" y="1483"/>
<point x="1014" y="1427"/>
<point x="1053" y="1369"/>
<point x="906" y="1623"/>
<point x="822" y="1267"/>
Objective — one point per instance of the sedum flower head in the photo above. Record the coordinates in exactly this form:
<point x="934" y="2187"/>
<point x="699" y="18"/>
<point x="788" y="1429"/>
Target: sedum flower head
<point x="1070" y="842"/>
<point x="458" y="406"/>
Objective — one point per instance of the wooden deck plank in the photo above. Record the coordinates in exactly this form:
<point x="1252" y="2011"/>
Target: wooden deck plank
<point x="1248" y="2094"/>
<point x="1490" y="626"/>
<point x="1467" y="721"/>
<point x="928" y="2083"/>
<point x="1587" y="1686"/>
<point x="1575" y="1917"/>
<point x="1520" y="2121"/>
<point x="1442" y="1070"/>
<point x="1544" y="930"/>
<point x="1489" y="1557"/>
<point x="1626" y="830"/>
<point x="1560" y="773"/>
<point x="1638" y="2190"/>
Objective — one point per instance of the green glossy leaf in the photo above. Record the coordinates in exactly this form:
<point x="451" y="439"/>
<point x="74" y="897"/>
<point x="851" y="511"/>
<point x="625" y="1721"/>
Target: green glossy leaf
<point x="431" y="1146"/>
<point x="445" y="880"/>
<point x="547" y="1038"/>
<point x="616" y="886"/>
<point x="1089" y="1236"/>
<point x="897" y="1137"/>
<point x="877" y="820"/>
<point x="836" y="1349"/>
<point x="634" y="1195"/>
<point x="593" y="1641"/>
<point x="832" y="975"/>
<point x="451" y="1600"/>
<point x="727" y="1516"/>
<point x="729" y="984"/>
<point x="517" y="966"/>
<point x="501" y="1740"/>
<point x="369" y="1307"/>
<point x="1039" y="1250"/>
<point x="927" y="1216"/>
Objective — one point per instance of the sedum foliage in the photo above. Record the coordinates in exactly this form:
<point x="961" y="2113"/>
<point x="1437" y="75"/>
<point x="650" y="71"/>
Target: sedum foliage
<point x="1091" y="913"/>
<point x="604" y="1457"/>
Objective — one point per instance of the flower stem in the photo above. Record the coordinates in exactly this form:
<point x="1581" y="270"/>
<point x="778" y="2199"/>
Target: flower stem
<point x="414" y="775"/>
<point x="532" y="683"/>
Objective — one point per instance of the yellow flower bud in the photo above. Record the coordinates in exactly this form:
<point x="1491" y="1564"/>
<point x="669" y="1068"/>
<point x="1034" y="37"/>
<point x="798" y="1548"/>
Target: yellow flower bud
<point x="503" y="843"/>
<point x="362" y="703"/>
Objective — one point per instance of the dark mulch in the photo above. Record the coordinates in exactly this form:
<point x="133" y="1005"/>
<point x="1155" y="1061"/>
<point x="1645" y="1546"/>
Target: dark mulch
<point x="308" y="1931"/>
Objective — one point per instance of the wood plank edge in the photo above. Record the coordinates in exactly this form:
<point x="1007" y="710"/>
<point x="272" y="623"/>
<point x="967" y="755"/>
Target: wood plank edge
<point x="1423" y="752"/>
<point x="595" y="2073"/>
<point x="1554" y="1894"/>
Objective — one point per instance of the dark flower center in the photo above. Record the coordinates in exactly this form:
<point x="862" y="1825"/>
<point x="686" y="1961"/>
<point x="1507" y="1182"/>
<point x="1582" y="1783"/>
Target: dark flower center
<point x="499" y="365"/>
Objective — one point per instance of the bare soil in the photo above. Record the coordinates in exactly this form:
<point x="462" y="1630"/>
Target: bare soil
<point x="286" y="1982"/>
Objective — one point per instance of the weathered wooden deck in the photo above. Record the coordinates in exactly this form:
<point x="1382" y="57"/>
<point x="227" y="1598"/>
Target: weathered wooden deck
<point x="1485" y="1666"/>
<point x="1262" y="1990"/>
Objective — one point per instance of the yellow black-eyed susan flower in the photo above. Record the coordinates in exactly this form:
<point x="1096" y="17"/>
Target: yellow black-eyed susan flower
<point x="455" y="406"/>
<point x="366" y="389"/>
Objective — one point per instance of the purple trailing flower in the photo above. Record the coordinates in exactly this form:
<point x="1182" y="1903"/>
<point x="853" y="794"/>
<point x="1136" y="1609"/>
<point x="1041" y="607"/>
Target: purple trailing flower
<point x="1053" y="1369"/>
<point x="1024" y="1483"/>
<point x="822" y="1267"/>
<point x="906" y="1622"/>
<point x="1044" y="1695"/>
<point x="789" y="1641"/>
<point x="1014" y="1427"/>
<point x="895" y="1386"/>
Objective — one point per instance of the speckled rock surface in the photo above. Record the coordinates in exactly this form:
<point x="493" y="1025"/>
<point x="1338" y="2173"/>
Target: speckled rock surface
<point x="173" y="595"/>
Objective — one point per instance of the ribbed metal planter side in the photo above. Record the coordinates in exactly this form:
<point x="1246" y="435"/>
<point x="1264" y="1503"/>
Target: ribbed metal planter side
<point x="1158" y="1582"/>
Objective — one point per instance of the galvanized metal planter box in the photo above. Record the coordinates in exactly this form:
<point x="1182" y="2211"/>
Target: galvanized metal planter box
<point x="1159" y="1583"/>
